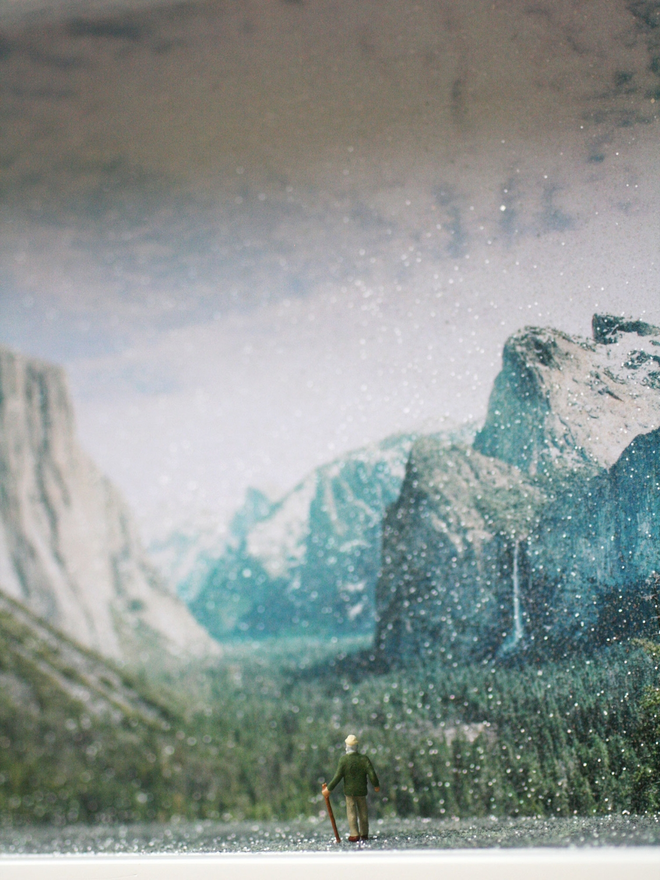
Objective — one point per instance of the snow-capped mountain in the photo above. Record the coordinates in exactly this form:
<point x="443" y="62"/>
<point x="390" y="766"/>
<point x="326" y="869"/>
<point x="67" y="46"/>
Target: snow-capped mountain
<point x="308" y="562"/>
<point x="187" y="556"/>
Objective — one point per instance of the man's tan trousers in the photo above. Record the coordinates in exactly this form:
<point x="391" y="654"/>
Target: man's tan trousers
<point x="356" y="811"/>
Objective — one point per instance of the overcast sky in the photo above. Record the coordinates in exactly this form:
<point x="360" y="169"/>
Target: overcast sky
<point x="260" y="233"/>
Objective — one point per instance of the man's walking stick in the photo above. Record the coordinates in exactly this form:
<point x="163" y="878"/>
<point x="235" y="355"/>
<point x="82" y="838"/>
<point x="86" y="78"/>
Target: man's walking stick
<point x="326" y="795"/>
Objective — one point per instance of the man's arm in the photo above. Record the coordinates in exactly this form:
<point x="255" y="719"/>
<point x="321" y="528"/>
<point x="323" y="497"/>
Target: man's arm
<point x="338" y="775"/>
<point x="372" y="775"/>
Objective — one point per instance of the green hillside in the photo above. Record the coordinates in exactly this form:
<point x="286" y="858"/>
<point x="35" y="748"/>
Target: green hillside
<point x="80" y="740"/>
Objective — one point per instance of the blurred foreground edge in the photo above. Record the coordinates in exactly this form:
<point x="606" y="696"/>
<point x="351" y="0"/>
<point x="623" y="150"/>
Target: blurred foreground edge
<point x="542" y="864"/>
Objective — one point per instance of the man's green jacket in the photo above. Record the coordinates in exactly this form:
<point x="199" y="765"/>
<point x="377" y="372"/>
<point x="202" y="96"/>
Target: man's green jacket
<point x="353" y="769"/>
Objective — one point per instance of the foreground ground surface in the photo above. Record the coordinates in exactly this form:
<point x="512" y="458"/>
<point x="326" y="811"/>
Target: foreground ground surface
<point x="314" y="835"/>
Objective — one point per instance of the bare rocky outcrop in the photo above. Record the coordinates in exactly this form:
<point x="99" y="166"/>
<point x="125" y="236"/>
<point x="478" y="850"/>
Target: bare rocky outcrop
<point x="569" y="402"/>
<point x="544" y="536"/>
<point x="448" y="554"/>
<point x="68" y="548"/>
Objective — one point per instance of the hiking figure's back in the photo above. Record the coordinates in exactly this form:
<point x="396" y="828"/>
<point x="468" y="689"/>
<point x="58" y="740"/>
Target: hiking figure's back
<point x="355" y="769"/>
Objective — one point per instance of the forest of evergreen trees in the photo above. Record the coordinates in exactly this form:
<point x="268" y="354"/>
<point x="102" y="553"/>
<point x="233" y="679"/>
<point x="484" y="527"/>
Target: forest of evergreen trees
<point x="256" y="737"/>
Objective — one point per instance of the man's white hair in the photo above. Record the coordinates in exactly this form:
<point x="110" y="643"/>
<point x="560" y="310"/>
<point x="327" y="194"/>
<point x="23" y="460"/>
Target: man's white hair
<point x="351" y="742"/>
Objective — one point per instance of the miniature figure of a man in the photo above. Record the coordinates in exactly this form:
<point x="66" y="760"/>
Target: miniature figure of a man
<point x="354" y="769"/>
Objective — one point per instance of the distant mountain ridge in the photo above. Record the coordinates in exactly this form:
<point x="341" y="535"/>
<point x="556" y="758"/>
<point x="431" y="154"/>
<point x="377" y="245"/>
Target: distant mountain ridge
<point x="306" y="563"/>
<point x="68" y="548"/>
<point x="542" y="536"/>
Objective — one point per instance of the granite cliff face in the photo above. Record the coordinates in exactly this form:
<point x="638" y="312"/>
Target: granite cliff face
<point x="542" y="537"/>
<point x="68" y="548"/>
<point x="447" y="553"/>
<point x="591" y="562"/>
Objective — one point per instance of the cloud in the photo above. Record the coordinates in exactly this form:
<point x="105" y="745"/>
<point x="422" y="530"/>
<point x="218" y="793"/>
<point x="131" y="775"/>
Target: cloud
<point x="206" y="206"/>
<point x="552" y="218"/>
<point x="451" y="217"/>
<point x="119" y="28"/>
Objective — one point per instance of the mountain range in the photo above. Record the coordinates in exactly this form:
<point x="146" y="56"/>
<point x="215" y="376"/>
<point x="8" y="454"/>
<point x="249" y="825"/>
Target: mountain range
<point x="535" y="536"/>
<point x="542" y="536"/>
<point x="309" y="563"/>
<point x="305" y="564"/>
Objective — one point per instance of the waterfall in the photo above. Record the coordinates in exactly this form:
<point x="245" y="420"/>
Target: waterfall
<point x="517" y="613"/>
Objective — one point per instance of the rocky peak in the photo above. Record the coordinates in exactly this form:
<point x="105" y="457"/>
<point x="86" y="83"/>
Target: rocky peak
<point x="572" y="402"/>
<point x="608" y="329"/>
<point x="68" y="548"/>
<point x="307" y="562"/>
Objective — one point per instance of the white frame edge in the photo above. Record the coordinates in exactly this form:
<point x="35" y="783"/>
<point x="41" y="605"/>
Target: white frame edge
<point x="642" y="863"/>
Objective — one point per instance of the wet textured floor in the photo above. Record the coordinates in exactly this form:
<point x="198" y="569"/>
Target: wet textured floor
<point x="316" y="836"/>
